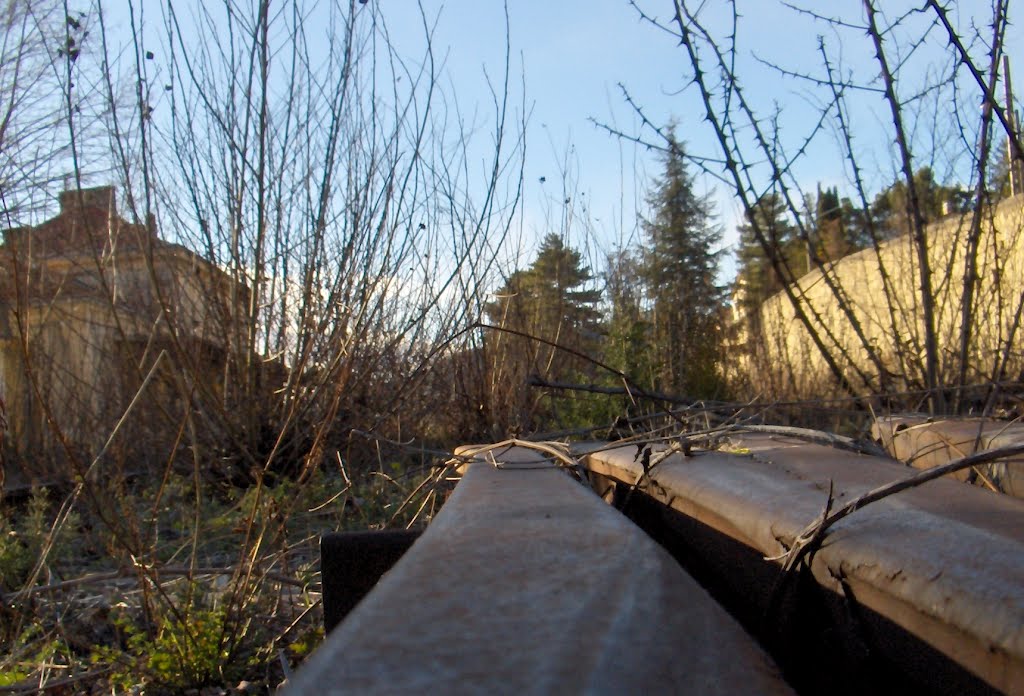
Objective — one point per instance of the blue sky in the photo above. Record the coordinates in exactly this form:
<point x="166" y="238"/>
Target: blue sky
<point x="572" y="57"/>
<point x="573" y="54"/>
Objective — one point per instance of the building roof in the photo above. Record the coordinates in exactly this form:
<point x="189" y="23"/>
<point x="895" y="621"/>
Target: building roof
<point x="88" y="222"/>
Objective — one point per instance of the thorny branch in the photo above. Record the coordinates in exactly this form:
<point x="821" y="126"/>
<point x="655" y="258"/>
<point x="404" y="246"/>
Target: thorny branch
<point x="810" y="539"/>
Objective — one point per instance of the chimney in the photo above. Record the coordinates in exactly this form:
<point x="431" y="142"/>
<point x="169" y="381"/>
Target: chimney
<point x="100" y="197"/>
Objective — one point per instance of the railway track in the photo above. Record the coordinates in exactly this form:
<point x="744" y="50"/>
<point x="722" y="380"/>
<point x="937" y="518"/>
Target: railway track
<point x="528" y="582"/>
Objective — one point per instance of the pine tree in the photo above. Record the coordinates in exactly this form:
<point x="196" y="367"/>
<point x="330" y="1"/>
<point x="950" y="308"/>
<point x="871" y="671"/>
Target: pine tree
<point x="678" y="267"/>
<point x="554" y="300"/>
<point x="757" y="278"/>
<point x="830" y="227"/>
<point x="840" y="229"/>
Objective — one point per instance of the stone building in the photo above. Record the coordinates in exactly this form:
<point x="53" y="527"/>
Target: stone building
<point x="88" y="301"/>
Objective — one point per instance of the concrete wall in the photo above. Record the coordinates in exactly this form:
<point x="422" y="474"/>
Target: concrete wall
<point x="884" y="291"/>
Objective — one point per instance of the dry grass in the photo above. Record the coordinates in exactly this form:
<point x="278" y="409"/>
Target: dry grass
<point x="202" y="606"/>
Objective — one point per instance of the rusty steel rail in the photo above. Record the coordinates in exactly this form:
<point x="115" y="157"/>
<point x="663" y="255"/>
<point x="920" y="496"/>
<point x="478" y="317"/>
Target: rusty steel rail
<point x="526" y="582"/>
<point x="925" y="587"/>
<point x="923" y="443"/>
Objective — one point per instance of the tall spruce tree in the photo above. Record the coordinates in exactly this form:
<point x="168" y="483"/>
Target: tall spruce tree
<point x="678" y="267"/>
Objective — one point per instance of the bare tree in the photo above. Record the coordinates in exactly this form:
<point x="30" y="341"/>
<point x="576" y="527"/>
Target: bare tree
<point x="39" y="49"/>
<point x="305" y="229"/>
<point x="924" y="67"/>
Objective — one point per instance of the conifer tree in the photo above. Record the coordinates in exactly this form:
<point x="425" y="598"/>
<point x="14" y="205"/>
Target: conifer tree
<point x="831" y="230"/>
<point x="890" y="206"/>
<point x="627" y="347"/>
<point x="554" y="300"/>
<point x="757" y="278"/>
<point x="678" y="268"/>
<point x="840" y="228"/>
